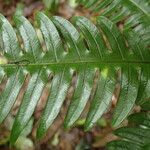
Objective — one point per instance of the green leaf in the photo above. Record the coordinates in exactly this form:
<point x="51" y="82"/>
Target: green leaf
<point x="102" y="97"/>
<point x="59" y="87"/>
<point x="122" y="145"/>
<point x="27" y="130"/>
<point x="114" y="37"/>
<point x="144" y="89"/>
<point x="31" y="42"/>
<point x="51" y="37"/>
<point x="2" y="73"/>
<point x="81" y="95"/>
<point x="29" y="102"/>
<point x="92" y="35"/>
<point x="136" y="135"/>
<point x="10" y="93"/>
<point x="128" y="95"/>
<point x="72" y="37"/>
<point x="10" y="45"/>
<point x="142" y="118"/>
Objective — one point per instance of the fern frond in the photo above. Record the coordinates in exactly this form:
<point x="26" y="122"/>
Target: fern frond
<point x="134" y="15"/>
<point x="130" y="11"/>
<point x="135" y="136"/>
<point x="91" y="52"/>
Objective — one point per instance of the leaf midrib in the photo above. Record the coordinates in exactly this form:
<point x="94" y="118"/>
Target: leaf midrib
<point x="101" y="62"/>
